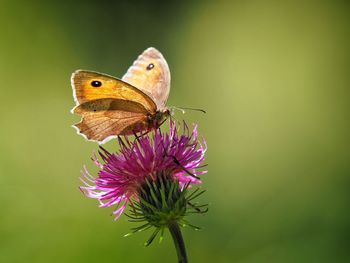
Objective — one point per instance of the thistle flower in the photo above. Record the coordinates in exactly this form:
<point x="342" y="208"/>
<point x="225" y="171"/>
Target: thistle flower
<point x="154" y="174"/>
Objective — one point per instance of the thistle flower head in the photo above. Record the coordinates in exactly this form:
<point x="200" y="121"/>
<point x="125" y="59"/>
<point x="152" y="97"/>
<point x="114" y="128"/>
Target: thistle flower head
<point x="145" y="169"/>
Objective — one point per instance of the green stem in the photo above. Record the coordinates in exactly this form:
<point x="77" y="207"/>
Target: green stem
<point x="179" y="243"/>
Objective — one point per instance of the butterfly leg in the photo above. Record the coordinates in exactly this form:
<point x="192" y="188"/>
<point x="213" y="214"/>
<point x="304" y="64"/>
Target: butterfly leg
<point x="139" y="136"/>
<point x="160" y="124"/>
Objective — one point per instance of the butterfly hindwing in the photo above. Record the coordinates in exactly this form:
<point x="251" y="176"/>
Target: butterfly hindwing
<point x="103" y="119"/>
<point x="104" y="125"/>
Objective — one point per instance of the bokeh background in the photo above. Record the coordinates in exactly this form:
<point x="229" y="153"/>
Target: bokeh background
<point x="273" y="77"/>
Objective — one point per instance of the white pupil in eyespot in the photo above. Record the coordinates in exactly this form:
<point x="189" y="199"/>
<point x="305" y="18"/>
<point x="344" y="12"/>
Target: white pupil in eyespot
<point x="96" y="83"/>
<point x="150" y="66"/>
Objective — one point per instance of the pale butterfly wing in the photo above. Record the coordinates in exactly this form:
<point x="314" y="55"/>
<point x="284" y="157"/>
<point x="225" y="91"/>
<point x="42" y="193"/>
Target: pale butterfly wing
<point x="150" y="73"/>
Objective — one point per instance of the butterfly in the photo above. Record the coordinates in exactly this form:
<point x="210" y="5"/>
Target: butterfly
<point x="111" y="107"/>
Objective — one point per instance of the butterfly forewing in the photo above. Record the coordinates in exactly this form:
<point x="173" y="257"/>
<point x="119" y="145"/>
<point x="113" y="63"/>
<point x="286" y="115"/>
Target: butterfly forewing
<point x="150" y="73"/>
<point x="89" y="86"/>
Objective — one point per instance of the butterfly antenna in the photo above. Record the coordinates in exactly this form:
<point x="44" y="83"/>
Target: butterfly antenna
<point x="183" y="109"/>
<point x="194" y="109"/>
<point x="176" y="108"/>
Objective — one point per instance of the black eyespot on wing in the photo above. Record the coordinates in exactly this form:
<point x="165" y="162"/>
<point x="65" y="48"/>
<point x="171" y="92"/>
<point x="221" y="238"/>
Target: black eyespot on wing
<point x="96" y="83"/>
<point x="150" y="66"/>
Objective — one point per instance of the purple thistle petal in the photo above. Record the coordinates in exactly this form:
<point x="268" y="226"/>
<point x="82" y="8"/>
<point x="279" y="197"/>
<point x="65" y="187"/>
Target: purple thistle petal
<point x="122" y="173"/>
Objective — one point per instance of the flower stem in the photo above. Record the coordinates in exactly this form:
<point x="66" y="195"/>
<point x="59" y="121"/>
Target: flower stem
<point x="179" y="243"/>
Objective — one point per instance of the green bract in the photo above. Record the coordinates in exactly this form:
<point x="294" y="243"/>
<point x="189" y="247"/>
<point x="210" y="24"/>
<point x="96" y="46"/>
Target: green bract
<point x="161" y="202"/>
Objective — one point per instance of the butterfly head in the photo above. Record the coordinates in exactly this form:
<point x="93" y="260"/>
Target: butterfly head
<point x="157" y="119"/>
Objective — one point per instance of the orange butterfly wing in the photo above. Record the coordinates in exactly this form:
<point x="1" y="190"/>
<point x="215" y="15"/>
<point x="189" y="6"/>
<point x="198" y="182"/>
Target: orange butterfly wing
<point x="150" y="73"/>
<point x="106" y="87"/>
<point x="109" y="107"/>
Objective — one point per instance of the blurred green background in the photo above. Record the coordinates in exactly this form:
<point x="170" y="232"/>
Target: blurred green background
<point x="274" y="79"/>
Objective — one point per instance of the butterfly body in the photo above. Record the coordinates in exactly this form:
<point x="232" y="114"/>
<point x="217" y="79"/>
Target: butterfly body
<point x="111" y="107"/>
